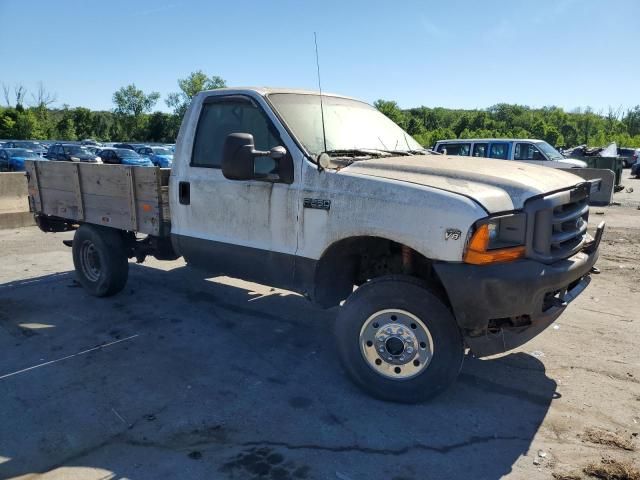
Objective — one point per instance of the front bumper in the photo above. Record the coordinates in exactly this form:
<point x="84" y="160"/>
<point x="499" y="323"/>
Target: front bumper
<point x="500" y="307"/>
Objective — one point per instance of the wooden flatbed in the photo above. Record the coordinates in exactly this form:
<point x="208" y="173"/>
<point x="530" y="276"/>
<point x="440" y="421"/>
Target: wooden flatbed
<point x="134" y="199"/>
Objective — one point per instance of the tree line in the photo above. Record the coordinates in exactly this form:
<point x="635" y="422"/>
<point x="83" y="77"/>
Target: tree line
<point x="553" y="124"/>
<point x="133" y="119"/>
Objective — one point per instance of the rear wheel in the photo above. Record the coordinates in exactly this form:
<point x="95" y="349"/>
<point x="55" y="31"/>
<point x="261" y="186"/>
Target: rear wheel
<point x="100" y="259"/>
<point x="398" y="341"/>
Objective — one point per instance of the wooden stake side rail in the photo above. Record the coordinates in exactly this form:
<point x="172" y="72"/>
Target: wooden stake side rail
<point x="119" y="196"/>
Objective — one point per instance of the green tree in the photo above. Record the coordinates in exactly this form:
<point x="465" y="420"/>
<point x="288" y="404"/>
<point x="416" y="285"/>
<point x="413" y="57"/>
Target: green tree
<point x="538" y="129"/>
<point x="391" y="110"/>
<point x="194" y="83"/>
<point x="66" y="128"/>
<point x="83" y="122"/>
<point x="130" y="105"/>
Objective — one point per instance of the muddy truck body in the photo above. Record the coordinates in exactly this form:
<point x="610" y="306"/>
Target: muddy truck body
<point x="424" y="256"/>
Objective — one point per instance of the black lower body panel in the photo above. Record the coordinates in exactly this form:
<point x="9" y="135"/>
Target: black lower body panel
<point x="499" y="307"/>
<point x="277" y="269"/>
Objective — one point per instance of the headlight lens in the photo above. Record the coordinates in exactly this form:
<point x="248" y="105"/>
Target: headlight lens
<point x="497" y="239"/>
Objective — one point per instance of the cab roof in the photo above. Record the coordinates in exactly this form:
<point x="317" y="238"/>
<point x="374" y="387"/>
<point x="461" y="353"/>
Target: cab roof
<point x="264" y="91"/>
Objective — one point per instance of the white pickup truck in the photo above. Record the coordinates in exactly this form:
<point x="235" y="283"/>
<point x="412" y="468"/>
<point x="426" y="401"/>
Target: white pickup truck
<point x="423" y="256"/>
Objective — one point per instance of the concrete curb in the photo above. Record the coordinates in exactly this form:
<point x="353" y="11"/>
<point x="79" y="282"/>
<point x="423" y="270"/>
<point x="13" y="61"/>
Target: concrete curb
<point x="14" y="201"/>
<point x="16" y="220"/>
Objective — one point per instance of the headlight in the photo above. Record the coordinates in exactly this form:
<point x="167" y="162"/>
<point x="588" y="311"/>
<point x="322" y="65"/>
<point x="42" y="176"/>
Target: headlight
<point x="497" y="239"/>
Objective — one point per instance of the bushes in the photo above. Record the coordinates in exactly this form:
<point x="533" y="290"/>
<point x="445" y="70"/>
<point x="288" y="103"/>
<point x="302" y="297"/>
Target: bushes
<point x="553" y="124"/>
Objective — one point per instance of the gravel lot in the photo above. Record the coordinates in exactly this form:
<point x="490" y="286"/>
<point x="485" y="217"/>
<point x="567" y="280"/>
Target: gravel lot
<point x="185" y="377"/>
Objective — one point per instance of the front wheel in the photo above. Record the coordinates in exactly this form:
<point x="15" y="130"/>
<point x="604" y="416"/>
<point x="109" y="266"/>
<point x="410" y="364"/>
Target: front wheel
<point x="100" y="259"/>
<point x="398" y="341"/>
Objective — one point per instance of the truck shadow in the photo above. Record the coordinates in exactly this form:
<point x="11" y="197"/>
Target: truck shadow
<point x="223" y="379"/>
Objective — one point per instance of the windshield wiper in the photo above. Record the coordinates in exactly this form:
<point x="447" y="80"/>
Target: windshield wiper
<point x="358" y="152"/>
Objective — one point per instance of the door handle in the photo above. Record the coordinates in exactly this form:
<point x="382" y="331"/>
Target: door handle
<point x="184" y="193"/>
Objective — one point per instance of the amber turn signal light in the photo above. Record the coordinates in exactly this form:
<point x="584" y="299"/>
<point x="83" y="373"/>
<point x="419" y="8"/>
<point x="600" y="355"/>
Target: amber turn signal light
<point x="478" y="254"/>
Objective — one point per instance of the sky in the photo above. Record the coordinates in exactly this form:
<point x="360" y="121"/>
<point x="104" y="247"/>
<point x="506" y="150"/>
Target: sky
<point x="447" y="53"/>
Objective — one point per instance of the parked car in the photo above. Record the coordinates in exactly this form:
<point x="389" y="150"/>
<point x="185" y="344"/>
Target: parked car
<point x="71" y="153"/>
<point x="12" y="159"/>
<point x="635" y="169"/>
<point x="124" y="156"/>
<point x="629" y="155"/>
<point x="441" y="258"/>
<point x="128" y="146"/>
<point x="160" y="156"/>
<point x="94" y="149"/>
<point x="536" y="152"/>
<point x="28" y="145"/>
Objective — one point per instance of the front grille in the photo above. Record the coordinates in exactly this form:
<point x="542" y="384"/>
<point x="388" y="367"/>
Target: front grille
<point x="557" y="224"/>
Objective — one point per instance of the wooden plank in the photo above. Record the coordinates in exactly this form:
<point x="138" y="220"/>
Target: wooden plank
<point x="132" y="198"/>
<point x="110" y="180"/>
<point x="103" y="210"/>
<point x="77" y="190"/>
<point x="34" y="184"/>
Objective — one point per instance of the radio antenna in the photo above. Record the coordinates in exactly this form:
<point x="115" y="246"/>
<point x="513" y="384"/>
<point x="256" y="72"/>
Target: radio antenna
<point x="324" y="134"/>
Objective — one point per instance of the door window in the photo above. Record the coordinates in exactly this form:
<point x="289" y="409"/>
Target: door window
<point x="526" y="151"/>
<point x="463" y="149"/>
<point x="221" y="118"/>
<point x="499" y="150"/>
<point x="480" y="149"/>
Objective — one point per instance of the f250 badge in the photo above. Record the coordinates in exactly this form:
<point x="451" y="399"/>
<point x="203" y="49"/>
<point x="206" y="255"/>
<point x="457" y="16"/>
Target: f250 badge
<point x="452" y="234"/>
<point x="317" y="203"/>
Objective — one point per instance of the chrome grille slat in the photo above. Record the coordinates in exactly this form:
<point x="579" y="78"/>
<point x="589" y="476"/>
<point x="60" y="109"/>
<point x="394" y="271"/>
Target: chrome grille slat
<point x="580" y="210"/>
<point x="558" y="238"/>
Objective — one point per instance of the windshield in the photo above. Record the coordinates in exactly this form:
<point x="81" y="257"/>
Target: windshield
<point x="549" y="151"/>
<point x="162" y="151"/>
<point x="349" y="124"/>
<point x="76" y="151"/>
<point x="126" y="153"/>
<point x="29" y="145"/>
<point x="21" y="152"/>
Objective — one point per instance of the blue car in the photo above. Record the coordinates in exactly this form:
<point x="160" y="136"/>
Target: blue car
<point x="123" y="156"/>
<point x="635" y="169"/>
<point x="160" y="156"/>
<point x="12" y="159"/>
<point x="35" y="147"/>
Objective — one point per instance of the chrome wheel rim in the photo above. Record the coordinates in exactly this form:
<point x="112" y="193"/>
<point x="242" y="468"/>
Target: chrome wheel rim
<point x="396" y="344"/>
<point x="90" y="261"/>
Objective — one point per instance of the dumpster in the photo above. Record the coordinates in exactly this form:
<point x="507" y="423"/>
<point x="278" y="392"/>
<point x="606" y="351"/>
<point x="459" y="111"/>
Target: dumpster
<point x="610" y="163"/>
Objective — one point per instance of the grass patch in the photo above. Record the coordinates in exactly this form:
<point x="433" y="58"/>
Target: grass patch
<point x="610" y="439"/>
<point x="610" y="469"/>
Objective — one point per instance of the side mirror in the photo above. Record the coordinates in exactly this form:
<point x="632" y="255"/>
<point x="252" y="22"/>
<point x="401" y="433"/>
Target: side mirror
<point x="239" y="155"/>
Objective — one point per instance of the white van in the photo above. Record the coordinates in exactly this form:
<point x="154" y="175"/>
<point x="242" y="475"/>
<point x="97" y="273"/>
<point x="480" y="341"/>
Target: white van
<point x="536" y="152"/>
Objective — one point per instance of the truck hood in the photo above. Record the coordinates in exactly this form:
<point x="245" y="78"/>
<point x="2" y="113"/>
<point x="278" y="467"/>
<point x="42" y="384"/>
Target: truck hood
<point x="572" y="163"/>
<point x="497" y="185"/>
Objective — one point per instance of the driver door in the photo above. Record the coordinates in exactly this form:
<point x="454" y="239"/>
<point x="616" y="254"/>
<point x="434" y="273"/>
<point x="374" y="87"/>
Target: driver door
<point x="241" y="228"/>
<point x="529" y="153"/>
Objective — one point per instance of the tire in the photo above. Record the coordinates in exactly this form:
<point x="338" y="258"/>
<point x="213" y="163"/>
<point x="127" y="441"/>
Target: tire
<point x="395" y="302"/>
<point x="100" y="259"/>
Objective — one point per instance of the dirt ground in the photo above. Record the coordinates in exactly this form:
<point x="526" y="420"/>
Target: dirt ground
<point x="185" y="377"/>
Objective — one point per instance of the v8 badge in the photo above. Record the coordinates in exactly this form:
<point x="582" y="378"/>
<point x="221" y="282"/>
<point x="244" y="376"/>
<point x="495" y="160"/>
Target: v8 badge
<point x="452" y="234"/>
